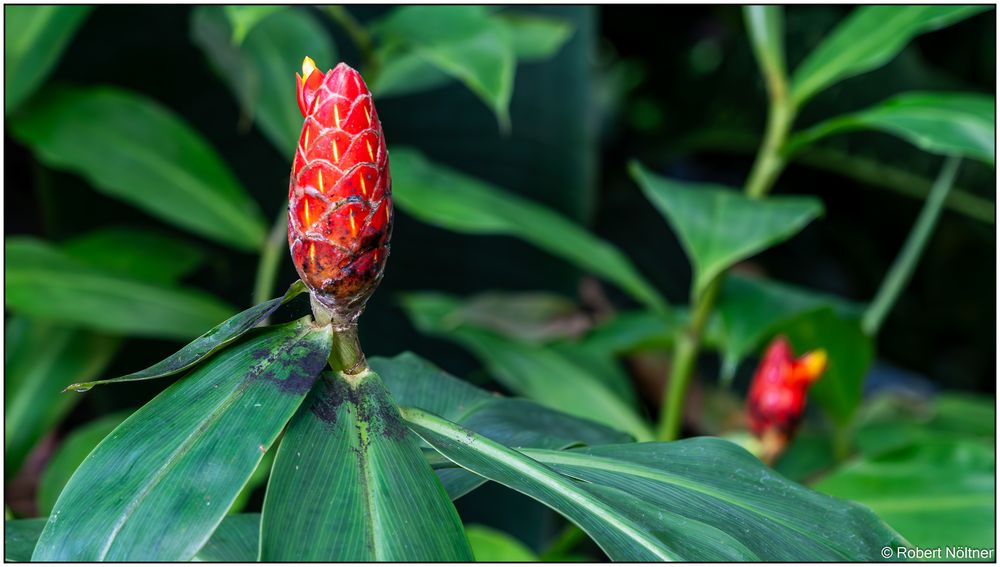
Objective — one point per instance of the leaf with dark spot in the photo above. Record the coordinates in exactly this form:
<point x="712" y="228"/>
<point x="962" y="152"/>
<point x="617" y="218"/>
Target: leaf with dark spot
<point x="157" y="487"/>
<point x="350" y="483"/>
<point x="197" y="350"/>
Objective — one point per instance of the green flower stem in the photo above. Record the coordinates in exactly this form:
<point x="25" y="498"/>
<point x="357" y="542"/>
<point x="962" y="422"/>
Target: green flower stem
<point x="270" y="259"/>
<point x="686" y="349"/>
<point x="765" y="171"/>
<point x="902" y="269"/>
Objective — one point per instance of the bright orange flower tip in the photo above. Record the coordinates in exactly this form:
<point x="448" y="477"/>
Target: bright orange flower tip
<point x="340" y="195"/>
<point x="777" y="396"/>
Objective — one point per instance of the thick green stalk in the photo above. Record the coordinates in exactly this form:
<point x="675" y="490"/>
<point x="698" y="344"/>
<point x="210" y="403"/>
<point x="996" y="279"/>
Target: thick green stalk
<point x="902" y="269"/>
<point x="765" y="171"/>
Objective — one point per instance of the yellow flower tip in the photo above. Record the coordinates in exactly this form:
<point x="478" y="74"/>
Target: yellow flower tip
<point x="813" y="364"/>
<point x="308" y="66"/>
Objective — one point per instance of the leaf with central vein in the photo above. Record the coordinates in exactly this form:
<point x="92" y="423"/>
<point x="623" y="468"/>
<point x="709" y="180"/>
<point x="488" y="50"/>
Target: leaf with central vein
<point x="537" y="372"/>
<point x="446" y="198"/>
<point x="704" y="499"/>
<point x="350" y="484"/>
<point x="44" y="282"/>
<point x="133" y="149"/>
<point x="867" y="39"/>
<point x="204" y="346"/>
<point x="156" y="488"/>
<point x="718" y="226"/>
<point x="943" y="123"/>
<point x="626" y="528"/>
<point x="235" y="540"/>
<point x="513" y="422"/>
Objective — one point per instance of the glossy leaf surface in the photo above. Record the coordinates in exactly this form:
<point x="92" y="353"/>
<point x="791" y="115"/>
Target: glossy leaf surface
<point x="699" y="499"/>
<point x="131" y="148"/>
<point x="867" y="39"/>
<point x="446" y="198"/>
<point x="45" y="282"/>
<point x="181" y="459"/>
<point x="34" y="38"/>
<point x="207" y="344"/>
<point x="537" y="372"/>
<point x="936" y="493"/>
<point x="718" y="226"/>
<point x="260" y="70"/>
<point x="70" y="453"/>
<point x="493" y="545"/>
<point x="959" y="124"/>
<point x="465" y="42"/>
<point x="350" y="484"/>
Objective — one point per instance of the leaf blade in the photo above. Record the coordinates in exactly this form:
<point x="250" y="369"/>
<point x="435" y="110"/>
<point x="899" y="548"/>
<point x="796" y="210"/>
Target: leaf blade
<point x="867" y="39"/>
<point x="384" y="503"/>
<point x="180" y="447"/>
<point x="133" y="149"/>
<point x="442" y="197"/>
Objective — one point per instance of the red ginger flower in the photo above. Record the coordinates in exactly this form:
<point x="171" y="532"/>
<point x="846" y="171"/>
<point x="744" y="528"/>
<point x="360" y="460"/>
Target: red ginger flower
<point x="777" y="395"/>
<point x="339" y="199"/>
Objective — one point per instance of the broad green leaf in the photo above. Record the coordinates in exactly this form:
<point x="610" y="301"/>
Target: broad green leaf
<point x="137" y="254"/>
<point x="495" y="546"/>
<point x="750" y="309"/>
<point x="41" y="358"/>
<point x="350" y="484"/>
<point x="867" y="39"/>
<point x="245" y="18"/>
<point x="934" y="493"/>
<point x="631" y="331"/>
<point x="697" y="500"/>
<point x="70" y="453"/>
<point x="534" y="37"/>
<point x="235" y="540"/>
<point x="131" y="148"/>
<point x="465" y="42"/>
<point x="19" y="538"/>
<point x="156" y="488"/>
<point x="261" y="71"/>
<point x="403" y="71"/>
<point x="535" y="372"/>
<point x="44" y="282"/>
<point x="207" y="344"/>
<point x="533" y="317"/>
<point x="446" y="198"/>
<point x="887" y="422"/>
<point x="718" y="226"/>
<point x="850" y="353"/>
<point x="512" y="422"/>
<point x="34" y="38"/>
<point x="766" y="27"/>
<point x="959" y="124"/>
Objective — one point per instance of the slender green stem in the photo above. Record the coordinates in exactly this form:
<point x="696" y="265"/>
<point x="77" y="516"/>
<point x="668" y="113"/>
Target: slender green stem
<point x="765" y="171"/>
<point x="360" y="36"/>
<point x="270" y="259"/>
<point x="770" y="163"/>
<point x="685" y="355"/>
<point x="902" y="269"/>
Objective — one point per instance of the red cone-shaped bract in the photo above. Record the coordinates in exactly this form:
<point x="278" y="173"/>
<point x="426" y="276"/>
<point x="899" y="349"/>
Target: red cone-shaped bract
<point x="778" y="392"/>
<point x="339" y="200"/>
